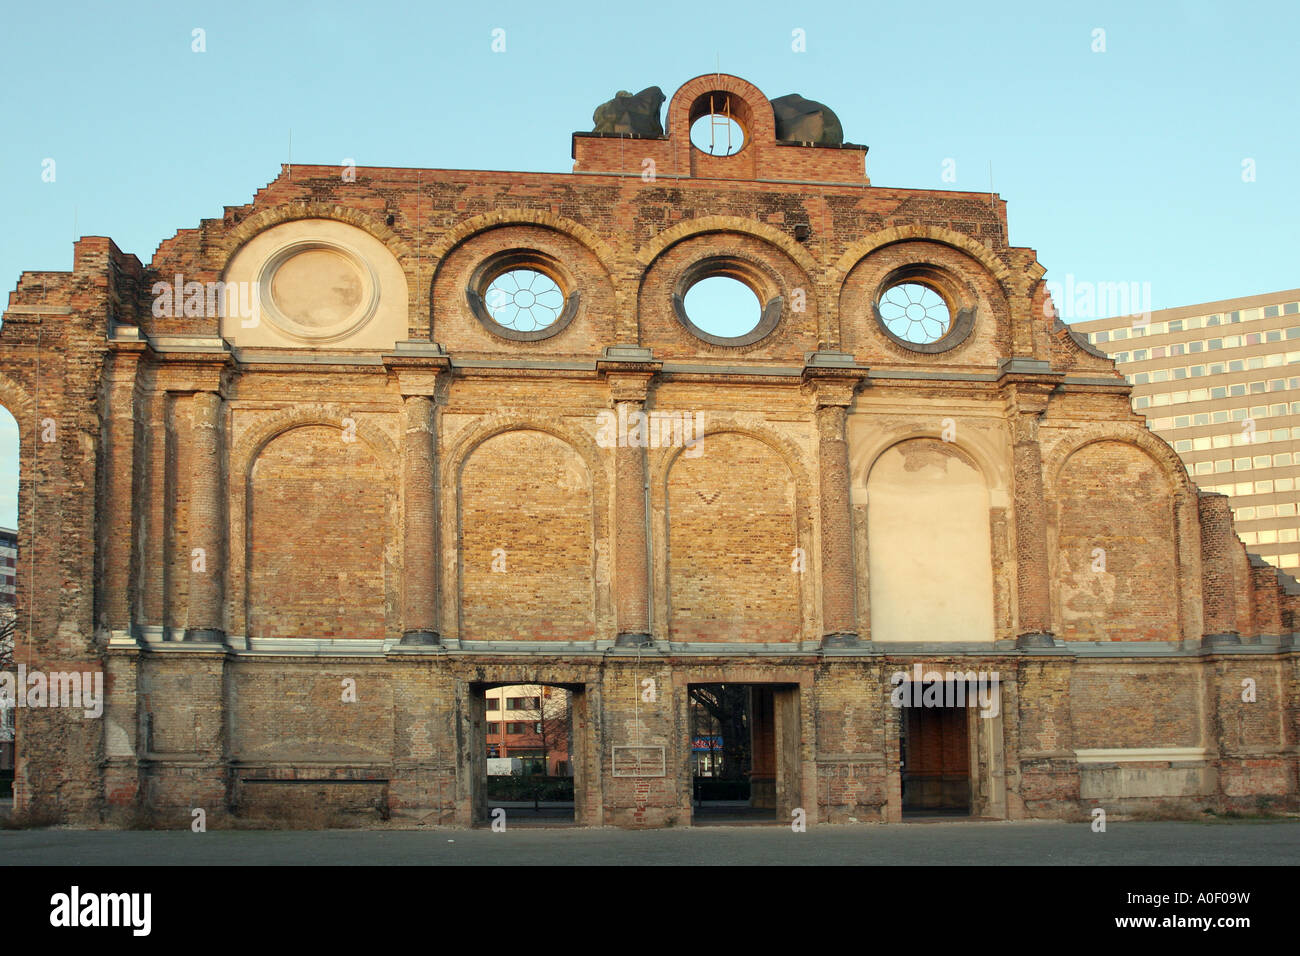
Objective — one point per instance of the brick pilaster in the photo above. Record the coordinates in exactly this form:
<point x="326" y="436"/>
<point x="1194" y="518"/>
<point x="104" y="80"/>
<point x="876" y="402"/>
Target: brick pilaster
<point x="420" y="590"/>
<point x="205" y="623"/>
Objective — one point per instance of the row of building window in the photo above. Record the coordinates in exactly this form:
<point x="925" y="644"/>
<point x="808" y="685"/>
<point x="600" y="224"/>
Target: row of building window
<point x="1159" y="375"/>
<point x="1137" y="330"/>
<point x="1224" y="415"/>
<point x="1238" y="488"/>
<point x="1225" y="465"/>
<point x="514" y="703"/>
<point x="1263" y="513"/>
<point x="1224" y="392"/>
<point x="514" y="728"/>
<point x="1207" y="345"/>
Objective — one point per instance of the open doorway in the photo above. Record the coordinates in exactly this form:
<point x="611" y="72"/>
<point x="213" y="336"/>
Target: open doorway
<point x="934" y="751"/>
<point x="529" y="754"/>
<point x="739" y="733"/>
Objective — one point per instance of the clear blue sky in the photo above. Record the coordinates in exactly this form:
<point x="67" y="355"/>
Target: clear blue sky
<point x="1118" y="166"/>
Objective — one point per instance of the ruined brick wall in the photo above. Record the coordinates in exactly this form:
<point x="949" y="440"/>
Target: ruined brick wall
<point x="421" y="502"/>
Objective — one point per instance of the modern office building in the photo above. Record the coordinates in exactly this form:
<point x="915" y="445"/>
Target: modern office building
<point x="1220" y="381"/>
<point x="8" y="565"/>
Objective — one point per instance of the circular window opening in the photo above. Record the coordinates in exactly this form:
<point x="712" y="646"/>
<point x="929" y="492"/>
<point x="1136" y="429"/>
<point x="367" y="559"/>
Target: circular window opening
<point x="915" y="313"/>
<point x="524" y="300"/>
<point x="717" y="134"/>
<point x="723" y="306"/>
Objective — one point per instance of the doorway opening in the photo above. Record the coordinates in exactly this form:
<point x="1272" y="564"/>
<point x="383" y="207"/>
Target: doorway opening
<point x="528" y="753"/>
<point x="935" y="758"/>
<point x="743" y="752"/>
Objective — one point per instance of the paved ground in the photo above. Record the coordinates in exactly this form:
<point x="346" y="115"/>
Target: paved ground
<point x="947" y="843"/>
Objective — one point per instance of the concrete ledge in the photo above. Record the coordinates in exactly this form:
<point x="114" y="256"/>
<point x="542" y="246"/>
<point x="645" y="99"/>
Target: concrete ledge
<point x="1140" y="754"/>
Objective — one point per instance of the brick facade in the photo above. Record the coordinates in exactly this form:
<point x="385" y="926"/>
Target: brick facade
<point x="235" y="532"/>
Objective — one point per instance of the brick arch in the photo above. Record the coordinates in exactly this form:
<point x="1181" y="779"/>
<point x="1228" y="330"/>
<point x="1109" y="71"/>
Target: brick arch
<point x="689" y="228"/>
<point x="245" y="449"/>
<point x="660" y="464"/>
<point x="462" y="446"/>
<point x="660" y="461"/>
<point x="978" y="457"/>
<point x="18" y="400"/>
<point x="243" y="454"/>
<point x="1171" y="466"/>
<point x="1075" y="591"/>
<point x="230" y="242"/>
<point x="762" y="120"/>
<point x="521" y="216"/>
<point x="457" y="457"/>
<point x="859" y="250"/>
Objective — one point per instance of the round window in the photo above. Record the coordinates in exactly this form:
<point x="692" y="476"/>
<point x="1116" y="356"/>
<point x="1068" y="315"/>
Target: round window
<point x="524" y="300"/>
<point x="722" y="306"/>
<point x="717" y="134"/>
<point x="914" y="313"/>
<point x="523" y="295"/>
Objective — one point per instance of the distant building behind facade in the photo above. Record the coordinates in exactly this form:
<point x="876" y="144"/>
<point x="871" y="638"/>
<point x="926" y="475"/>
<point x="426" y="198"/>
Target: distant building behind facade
<point x="8" y="565"/>
<point x="1220" y="381"/>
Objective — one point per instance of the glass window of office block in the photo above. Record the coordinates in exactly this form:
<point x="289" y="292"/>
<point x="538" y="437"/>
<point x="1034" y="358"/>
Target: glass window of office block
<point x="1231" y="341"/>
<point x="1201" y="419"/>
<point x="1257" y="388"/>
<point x="1178" y="397"/>
<point x="1176" y="349"/>
<point x="1212" y="320"/>
<point x="1241" y="464"/>
<point x="1291" y="308"/>
<point x="1277" y="385"/>
<point x="1175" y="325"/>
<point x="1195" y="346"/>
<point x="1248" y="537"/>
<point x="1284" y="484"/>
<point x="1254" y="363"/>
<point x="1263" y="487"/>
<point x="1180" y="373"/>
<point x="1201" y="444"/>
<point x="1198" y="371"/>
<point x="1272" y="311"/>
<point x="1222" y="465"/>
<point x="1198" y="395"/>
<point x="1204" y="467"/>
<point x="1237" y="365"/>
<point x="1140" y="355"/>
<point x="1195" y="322"/>
<point x="1273" y="361"/>
<point x="1121" y="357"/>
<point x="1267" y="537"/>
<point x="1273" y="335"/>
<point x="1220" y="417"/>
<point x="1293" y="333"/>
<point x="1142" y="401"/>
<point x="1258" y="411"/>
<point x="1182" y="421"/>
<point x="1117" y="334"/>
<point x="1254" y="338"/>
<point x="1244" y="514"/>
<point x="1141" y="378"/>
<point x="1160" y="399"/>
<point x="1243" y="488"/>
<point x="1236" y="390"/>
<point x="1262" y="461"/>
<point x="1100" y="337"/>
<point x="1279" y="434"/>
<point x="1286" y="511"/>
<point x="1278" y="410"/>
<point x="1221" y="441"/>
<point x="1158" y="352"/>
<point x="1282" y="459"/>
<point x="1238" y="414"/>
<point x="1248" y="315"/>
<point x="1217" y="368"/>
<point x="1295" y="408"/>
<point x="1183" y="445"/>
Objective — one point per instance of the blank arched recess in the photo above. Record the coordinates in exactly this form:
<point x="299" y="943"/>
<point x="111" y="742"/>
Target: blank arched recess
<point x="929" y="548"/>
